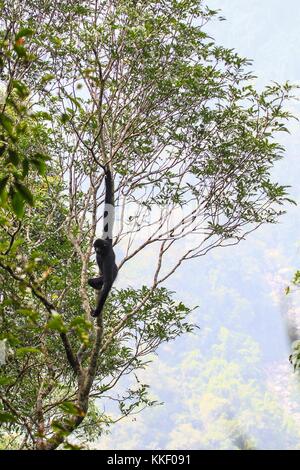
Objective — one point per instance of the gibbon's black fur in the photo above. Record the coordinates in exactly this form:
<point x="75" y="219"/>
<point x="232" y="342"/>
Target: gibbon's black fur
<point x="105" y="255"/>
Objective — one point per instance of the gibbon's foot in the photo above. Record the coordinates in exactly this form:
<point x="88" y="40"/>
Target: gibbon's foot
<point x="94" y="314"/>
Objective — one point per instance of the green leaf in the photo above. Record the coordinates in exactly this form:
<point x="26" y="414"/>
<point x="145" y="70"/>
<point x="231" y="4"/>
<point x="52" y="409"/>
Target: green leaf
<point x="41" y="156"/>
<point x="3" y="182"/>
<point x="25" y="165"/>
<point x="81" y="322"/>
<point x="24" y="192"/>
<point x="6" y="417"/>
<point x="4" y="380"/>
<point x="21" y="127"/>
<point x="13" y="157"/>
<point x="42" y="114"/>
<point x="70" y="408"/>
<point x="56" y="323"/>
<point x="47" y="78"/>
<point x="2" y="148"/>
<point x="20" y="352"/>
<point x="56" y="41"/>
<point x="65" y="118"/>
<point x="40" y="166"/>
<point x="69" y="446"/>
<point x="30" y="314"/>
<point x="59" y="427"/>
<point x="24" y="32"/>
<point x="17" y="242"/>
<point x="21" y="89"/>
<point x="6" y="122"/>
<point x="296" y="278"/>
<point x="18" y="204"/>
<point x="20" y="50"/>
<point x="74" y="101"/>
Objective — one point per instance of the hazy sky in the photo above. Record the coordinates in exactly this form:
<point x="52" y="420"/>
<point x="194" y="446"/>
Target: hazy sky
<point x="264" y="30"/>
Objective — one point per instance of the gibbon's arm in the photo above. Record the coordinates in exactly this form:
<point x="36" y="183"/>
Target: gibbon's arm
<point x="109" y="206"/>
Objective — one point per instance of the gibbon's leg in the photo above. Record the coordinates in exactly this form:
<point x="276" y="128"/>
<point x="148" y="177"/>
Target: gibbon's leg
<point x="101" y="299"/>
<point x="96" y="282"/>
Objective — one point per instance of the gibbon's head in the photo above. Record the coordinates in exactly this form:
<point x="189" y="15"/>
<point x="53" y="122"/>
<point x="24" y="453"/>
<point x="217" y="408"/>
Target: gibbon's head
<point x="101" y="246"/>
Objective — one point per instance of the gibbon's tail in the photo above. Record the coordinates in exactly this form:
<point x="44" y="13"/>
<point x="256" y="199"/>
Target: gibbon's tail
<point x="109" y="207"/>
<point x="101" y="300"/>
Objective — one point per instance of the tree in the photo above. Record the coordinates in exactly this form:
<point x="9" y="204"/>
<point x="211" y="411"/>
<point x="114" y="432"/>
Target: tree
<point x="142" y="87"/>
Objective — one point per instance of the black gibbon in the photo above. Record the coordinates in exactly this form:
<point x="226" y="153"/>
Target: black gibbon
<point x="105" y="255"/>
